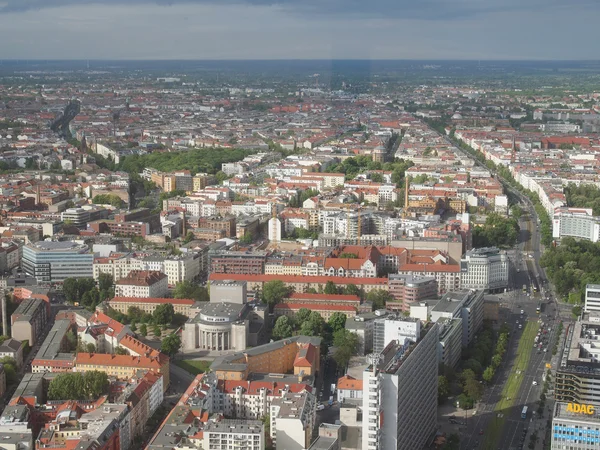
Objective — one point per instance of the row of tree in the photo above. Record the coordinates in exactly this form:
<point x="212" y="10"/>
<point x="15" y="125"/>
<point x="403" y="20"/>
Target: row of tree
<point x="108" y="199"/>
<point x="351" y="167"/>
<point x="486" y="352"/>
<point x="78" y="386"/>
<point x="584" y="196"/>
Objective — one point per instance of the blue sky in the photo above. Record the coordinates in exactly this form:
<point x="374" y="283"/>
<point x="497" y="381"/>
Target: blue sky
<point x="287" y="29"/>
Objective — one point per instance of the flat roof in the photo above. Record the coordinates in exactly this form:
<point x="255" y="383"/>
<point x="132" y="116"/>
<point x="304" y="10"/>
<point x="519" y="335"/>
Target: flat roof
<point x="561" y="413"/>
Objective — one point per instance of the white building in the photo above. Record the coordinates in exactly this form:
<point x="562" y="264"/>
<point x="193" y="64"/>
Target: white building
<point x="574" y="429"/>
<point x="576" y="222"/>
<point x="399" y="401"/>
<point x="486" y="269"/>
<point x="142" y="283"/>
<point x="292" y="420"/>
<point x="592" y="298"/>
<point x="78" y="217"/>
<point x="274" y="229"/>
<point x="238" y="434"/>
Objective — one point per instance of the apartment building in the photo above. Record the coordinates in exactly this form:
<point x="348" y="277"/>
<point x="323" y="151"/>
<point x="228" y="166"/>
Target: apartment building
<point x="143" y="284"/>
<point x="465" y="305"/>
<point x="77" y="217"/>
<point x="447" y="277"/>
<point x="228" y="434"/>
<point x="233" y="262"/>
<point x="148" y="305"/>
<point x="485" y="269"/>
<point x="29" y="320"/>
<point x="292" y="420"/>
<point x="325" y="311"/>
<point x="450" y="344"/>
<point x="123" y="366"/>
<point x="303" y="283"/>
<point x="53" y="262"/>
<point x="399" y="401"/>
<point x="408" y="288"/>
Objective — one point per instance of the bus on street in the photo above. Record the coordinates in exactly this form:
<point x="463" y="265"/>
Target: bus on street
<point x="524" y="288"/>
<point x="524" y="413"/>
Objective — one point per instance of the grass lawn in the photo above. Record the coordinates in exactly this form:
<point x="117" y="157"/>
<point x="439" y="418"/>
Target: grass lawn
<point x="194" y="367"/>
<point x="512" y="386"/>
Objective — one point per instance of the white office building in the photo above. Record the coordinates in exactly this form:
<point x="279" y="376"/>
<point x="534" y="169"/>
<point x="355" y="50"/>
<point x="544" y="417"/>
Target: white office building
<point x="399" y="401"/>
<point x="486" y="269"/>
<point x="52" y="262"/>
<point x="577" y="223"/>
<point x="592" y="298"/>
<point x="573" y="429"/>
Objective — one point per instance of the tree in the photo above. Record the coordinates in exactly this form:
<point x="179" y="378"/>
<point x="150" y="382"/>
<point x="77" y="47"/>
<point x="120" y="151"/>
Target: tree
<point x="246" y="239"/>
<point x="163" y="314"/>
<point x="274" y="292"/>
<point x="135" y="314"/>
<point x="302" y="315"/>
<point x="121" y="351"/>
<point x="144" y="330"/>
<point x="488" y="374"/>
<point x="379" y="298"/>
<point x="171" y="344"/>
<point x="330" y="288"/>
<point x="10" y="369"/>
<point x="189" y="237"/>
<point x="105" y="282"/>
<point x="95" y="384"/>
<point x="473" y="388"/>
<point x="313" y="326"/>
<point x="70" y="289"/>
<point x="283" y="328"/>
<point x="187" y="289"/>
<point x="443" y="389"/>
<point x="351" y="289"/>
<point x="71" y="340"/>
<point x="156" y="331"/>
<point x="346" y="346"/>
<point x="90" y="348"/>
<point x="337" y="321"/>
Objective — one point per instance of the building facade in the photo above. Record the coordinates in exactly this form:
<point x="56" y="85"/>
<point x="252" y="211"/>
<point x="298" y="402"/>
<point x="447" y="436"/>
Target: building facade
<point x="142" y="283"/>
<point x="486" y="269"/>
<point x="400" y="395"/>
<point x="53" y="262"/>
<point x="574" y="429"/>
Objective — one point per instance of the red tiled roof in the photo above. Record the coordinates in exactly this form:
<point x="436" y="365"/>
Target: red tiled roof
<point x="175" y="301"/>
<point x="350" y="383"/>
<point x="340" y="297"/>
<point x="315" y="307"/>
<point x="299" y="279"/>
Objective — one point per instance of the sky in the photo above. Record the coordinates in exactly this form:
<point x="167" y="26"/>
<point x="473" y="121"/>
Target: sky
<point x="299" y="29"/>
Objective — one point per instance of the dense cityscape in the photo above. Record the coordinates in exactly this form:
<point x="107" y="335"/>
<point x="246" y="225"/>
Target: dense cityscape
<point x="263" y="255"/>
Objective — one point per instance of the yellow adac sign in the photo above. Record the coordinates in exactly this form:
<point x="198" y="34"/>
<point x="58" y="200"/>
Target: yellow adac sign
<point x="581" y="409"/>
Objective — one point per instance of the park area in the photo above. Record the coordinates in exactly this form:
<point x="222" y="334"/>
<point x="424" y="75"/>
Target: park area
<point x="194" y="366"/>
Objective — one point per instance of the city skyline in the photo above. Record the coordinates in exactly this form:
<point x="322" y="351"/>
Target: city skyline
<point x="262" y="29"/>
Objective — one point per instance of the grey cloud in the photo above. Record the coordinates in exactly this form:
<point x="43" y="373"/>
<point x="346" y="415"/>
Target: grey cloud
<point x="397" y="9"/>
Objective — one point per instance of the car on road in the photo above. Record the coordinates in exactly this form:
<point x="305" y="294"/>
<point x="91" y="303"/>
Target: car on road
<point x="520" y="326"/>
<point x="320" y="407"/>
<point x="535" y="383"/>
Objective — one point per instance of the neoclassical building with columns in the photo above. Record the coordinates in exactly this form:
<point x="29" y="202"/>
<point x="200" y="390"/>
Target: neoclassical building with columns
<point x="225" y="325"/>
